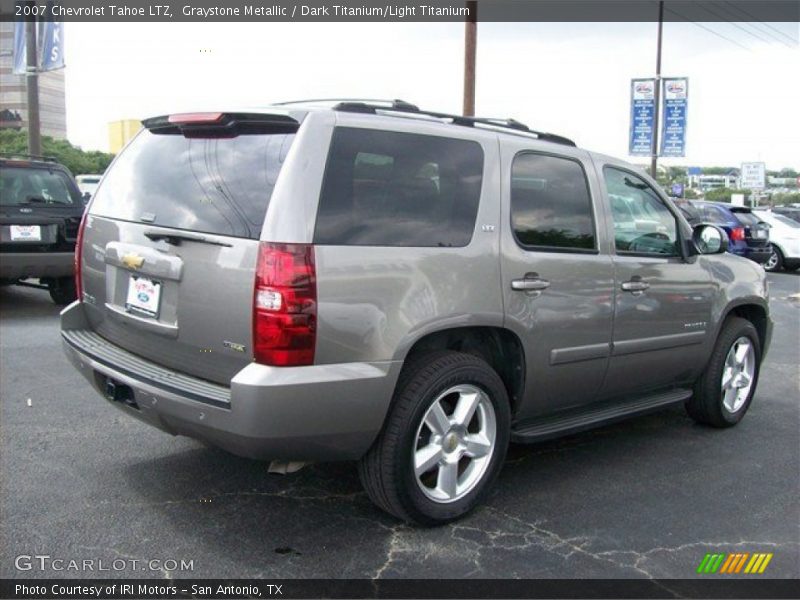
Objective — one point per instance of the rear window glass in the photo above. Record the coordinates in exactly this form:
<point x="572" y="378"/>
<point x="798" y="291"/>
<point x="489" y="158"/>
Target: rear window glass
<point x="33" y="186"/>
<point x="399" y="189"/>
<point x="550" y="203"/>
<point x="211" y="185"/>
<point x="712" y="214"/>
<point x="746" y="218"/>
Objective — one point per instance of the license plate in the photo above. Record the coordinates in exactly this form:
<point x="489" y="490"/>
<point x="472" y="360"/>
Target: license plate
<point x="761" y="234"/>
<point x="144" y="296"/>
<point x="26" y="233"/>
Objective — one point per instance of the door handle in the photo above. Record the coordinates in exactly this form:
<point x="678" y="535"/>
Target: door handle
<point x="529" y="284"/>
<point x="635" y="285"/>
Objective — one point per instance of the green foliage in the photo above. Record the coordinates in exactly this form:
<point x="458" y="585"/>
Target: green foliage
<point x="718" y="170"/>
<point x="76" y="160"/>
<point x="782" y="199"/>
<point x="691" y="194"/>
<point x="723" y="194"/>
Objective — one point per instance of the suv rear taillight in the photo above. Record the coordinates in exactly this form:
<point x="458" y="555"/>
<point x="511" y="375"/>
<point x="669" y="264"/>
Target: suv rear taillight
<point x="285" y="305"/>
<point x="737" y="234"/>
<point x="78" y="257"/>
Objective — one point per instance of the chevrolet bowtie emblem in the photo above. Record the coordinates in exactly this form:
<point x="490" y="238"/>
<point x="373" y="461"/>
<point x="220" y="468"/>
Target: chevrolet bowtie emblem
<point x="133" y="261"/>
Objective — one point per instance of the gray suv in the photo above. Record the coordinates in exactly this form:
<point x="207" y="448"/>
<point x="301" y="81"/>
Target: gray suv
<point x="409" y="289"/>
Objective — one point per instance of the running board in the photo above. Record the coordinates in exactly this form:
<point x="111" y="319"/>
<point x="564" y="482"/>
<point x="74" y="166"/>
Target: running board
<point x="583" y="418"/>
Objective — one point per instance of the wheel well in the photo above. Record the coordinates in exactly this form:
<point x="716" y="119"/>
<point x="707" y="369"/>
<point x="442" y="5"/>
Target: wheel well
<point x="756" y="315"/>
<point x="499" y="347"/>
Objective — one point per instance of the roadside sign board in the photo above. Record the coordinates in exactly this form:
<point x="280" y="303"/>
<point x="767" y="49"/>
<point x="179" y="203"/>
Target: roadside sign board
<point x="643" y="110"/>
<point x="677" y="190"/>
<point x="673" y="116"/>
<point x="753" y="176"/>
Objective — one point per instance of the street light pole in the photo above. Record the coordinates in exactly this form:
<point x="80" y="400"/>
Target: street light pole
<point x="470" y="50"/>
<point x="32" y="87"/>
<point x="656" y="117"/>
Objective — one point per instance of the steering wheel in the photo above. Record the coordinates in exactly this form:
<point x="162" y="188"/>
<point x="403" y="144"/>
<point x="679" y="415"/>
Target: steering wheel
<point x="655" y="242"/>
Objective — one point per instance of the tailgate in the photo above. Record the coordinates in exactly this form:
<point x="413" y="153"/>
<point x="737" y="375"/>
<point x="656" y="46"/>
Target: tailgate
<point x="171" y="244"/>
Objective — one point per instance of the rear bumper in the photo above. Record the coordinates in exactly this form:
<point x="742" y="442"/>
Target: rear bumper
<point x="759" y="254"/>
<point x="17" y="265"/>
<point x="314" y="413"/>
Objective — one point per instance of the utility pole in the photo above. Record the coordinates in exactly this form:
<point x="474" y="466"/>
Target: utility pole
<point x="32" y="86"/>
<point x="470" y="50"/>
<point x="656" y="117"/>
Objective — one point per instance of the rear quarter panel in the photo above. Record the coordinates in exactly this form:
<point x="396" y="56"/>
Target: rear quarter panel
<point x="375" y="302"/>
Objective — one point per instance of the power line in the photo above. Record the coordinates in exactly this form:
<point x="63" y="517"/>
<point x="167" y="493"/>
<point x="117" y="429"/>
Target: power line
<point x="775" y="29"/>
<point x="708" y="29"/>
<point x="724" y="19"/>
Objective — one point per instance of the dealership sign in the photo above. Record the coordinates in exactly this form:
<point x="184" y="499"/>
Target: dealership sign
<point x="643" y="111"/>
<point x="753" y="176"/>
<point x="673" y="116"/>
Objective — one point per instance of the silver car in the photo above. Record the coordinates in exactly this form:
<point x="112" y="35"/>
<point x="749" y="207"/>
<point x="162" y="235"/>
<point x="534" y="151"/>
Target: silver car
<point x="409" y="289"/>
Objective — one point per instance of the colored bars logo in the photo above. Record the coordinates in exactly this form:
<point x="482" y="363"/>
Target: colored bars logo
<point x="738" y="562"/>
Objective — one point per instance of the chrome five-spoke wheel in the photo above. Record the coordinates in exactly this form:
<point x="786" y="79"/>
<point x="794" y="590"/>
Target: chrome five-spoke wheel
<point x="738" y="373"/>
<point x="455" y="443"/>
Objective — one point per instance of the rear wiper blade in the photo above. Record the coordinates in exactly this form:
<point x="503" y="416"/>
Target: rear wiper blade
<point x="35" y="199"/>
<point x="176" y="238"/>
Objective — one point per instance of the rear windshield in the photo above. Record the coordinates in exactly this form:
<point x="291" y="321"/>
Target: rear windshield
<point x="711" y="213"/>
<point x="746" y="217"/>
<point x="33" y="186"/>
<point x="211" y="185"/>
<point x="399" y="189"/>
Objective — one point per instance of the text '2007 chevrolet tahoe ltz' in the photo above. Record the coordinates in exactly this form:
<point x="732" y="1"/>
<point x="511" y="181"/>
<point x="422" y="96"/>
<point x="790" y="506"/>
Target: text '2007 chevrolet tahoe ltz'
<point x="404" y="288"/>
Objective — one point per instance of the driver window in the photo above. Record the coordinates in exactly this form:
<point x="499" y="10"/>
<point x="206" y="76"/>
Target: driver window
<point x="642" y="223"/>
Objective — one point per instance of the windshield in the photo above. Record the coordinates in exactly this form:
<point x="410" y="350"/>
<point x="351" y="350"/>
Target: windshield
<point x="26" y="185"/>
<point x="786" y="221"/>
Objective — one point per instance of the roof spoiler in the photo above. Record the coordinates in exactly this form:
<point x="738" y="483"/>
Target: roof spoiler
<point x="221" y="124"/>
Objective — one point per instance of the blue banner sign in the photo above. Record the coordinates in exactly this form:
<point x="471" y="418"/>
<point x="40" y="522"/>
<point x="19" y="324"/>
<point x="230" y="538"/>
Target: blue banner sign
<point x="643" y="112"/>
<point x="51" y="41"/>
<point x="677" y="190"/>
<point x="673" y="116"/>
<point x="20" y="56"/>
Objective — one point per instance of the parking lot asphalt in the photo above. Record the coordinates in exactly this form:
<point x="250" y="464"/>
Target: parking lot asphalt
<point x="644" y="498"/>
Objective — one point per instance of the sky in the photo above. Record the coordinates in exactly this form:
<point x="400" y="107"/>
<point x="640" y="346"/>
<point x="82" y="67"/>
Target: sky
<point x="567" y="78"/>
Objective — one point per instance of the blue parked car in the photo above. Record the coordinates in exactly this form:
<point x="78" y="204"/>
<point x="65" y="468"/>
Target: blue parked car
<point x="748" y="236"/>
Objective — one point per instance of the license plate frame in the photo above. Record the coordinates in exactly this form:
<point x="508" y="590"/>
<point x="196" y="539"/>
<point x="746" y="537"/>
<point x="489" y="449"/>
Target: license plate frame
<point x="26" y="233"/>
<point x="143" y="296"/>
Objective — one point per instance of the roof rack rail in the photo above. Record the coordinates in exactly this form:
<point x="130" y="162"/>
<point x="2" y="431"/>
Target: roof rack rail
<point x="391" y="104"/>
<point x="406" y="107"/>
<point x="22" y="155"/>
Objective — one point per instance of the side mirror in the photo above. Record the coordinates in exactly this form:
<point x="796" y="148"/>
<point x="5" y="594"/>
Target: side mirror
<point x="709" y="239"/>
<point x="86" y="197"/>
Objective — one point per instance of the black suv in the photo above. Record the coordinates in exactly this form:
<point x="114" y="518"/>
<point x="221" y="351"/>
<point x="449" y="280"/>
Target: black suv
<point x="40" y="214"/>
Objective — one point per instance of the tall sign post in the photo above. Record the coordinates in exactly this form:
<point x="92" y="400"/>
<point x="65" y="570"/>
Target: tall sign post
<point x="32" y="87"/>
<point x="654" y="159"/>
<point x="38" y="47"/>
<point x="470" y="51"/>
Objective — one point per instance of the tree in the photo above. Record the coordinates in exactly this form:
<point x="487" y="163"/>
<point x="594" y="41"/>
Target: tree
<point x="723" y="194"/>
<point x="78" y="161"/>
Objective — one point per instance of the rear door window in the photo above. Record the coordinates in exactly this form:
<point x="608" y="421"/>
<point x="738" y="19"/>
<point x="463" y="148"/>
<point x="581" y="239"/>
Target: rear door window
<point x="213" y="185"/>
<point x="385" y="188"/>
<point x="551" y="208"/>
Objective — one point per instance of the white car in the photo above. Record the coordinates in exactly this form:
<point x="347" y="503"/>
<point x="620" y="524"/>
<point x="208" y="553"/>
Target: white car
<point x="87" y="184"/>
<point x="784" y="236"/>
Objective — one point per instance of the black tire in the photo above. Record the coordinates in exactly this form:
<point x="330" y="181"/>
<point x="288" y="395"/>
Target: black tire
<point x="62" y="290"/>
<point x="706" y="405"/>
<point x="386" y="471"/>
<point x="778" y="264"/>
